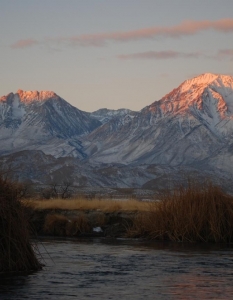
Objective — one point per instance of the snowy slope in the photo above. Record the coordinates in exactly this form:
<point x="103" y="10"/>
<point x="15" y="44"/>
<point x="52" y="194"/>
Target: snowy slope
<point x="42" y="120"/>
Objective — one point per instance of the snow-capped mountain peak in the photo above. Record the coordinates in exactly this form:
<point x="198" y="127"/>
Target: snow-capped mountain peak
<point x="204" y="80"/>
<point x="31" y="96"/>
<point x="185" y="126"/>
<point x="204" y="92"/>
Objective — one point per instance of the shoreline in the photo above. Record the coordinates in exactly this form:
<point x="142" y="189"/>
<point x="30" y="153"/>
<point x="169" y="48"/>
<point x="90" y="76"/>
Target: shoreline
<point x="80" y="223"/>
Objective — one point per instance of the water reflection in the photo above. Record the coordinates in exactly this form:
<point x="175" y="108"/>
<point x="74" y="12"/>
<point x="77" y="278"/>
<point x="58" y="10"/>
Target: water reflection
<point x="113" y="269"/>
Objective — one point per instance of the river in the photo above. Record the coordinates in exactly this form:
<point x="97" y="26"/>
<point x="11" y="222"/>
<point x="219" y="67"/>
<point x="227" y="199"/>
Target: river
<point x="125" y="269"/>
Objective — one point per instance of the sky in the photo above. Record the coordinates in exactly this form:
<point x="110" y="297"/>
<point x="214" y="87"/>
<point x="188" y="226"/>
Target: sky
<point x="112" y="53"/>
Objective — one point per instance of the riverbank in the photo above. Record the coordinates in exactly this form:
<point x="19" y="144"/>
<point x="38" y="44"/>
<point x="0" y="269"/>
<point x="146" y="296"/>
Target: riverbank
<point x="192" y="214"/>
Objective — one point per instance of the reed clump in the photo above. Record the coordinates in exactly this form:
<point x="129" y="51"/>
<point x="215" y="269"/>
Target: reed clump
<point x="16" y="252"/>
<point x="194" y="214"/>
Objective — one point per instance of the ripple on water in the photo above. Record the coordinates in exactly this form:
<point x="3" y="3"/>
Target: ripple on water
<point x="99" y="269"/>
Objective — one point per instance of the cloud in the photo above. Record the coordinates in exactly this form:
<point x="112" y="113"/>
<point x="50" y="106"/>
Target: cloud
<point x="222" y="54"/>
<point x="185" y="28"/>
<point x="225" y="53"/>
<point x="164" y="75"/>
<point x="159" y="55"/>
<point x="24" y="43"/>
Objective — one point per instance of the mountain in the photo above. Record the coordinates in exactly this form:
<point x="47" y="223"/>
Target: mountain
<point x="188" y="126"/>
<point x="32" y="120"/>
<point x="188" y="131"/>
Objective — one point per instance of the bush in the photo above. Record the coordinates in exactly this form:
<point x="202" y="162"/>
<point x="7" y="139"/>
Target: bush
<point x="60" y="225"/>
<point x="16" y="252"/>
<point x="195" y="214"/>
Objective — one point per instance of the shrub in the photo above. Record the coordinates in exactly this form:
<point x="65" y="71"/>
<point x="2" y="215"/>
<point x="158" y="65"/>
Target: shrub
<point x="55" y="224"/>
<point x="60" y="225"/>
<point x="78" y="225"/>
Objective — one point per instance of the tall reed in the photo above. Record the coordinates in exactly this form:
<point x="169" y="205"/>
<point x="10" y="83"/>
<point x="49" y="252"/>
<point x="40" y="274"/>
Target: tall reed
<point x="195" y="213"/>
<point x="16" y="252"/>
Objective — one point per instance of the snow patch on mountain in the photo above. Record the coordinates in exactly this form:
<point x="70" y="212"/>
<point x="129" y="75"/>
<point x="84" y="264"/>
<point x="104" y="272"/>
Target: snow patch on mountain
<point x="105" y="115"/>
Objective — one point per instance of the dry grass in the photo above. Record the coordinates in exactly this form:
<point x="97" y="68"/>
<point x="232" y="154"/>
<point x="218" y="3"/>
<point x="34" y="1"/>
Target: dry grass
<point x="196" y="213"/>
<point x="85" y="204"/>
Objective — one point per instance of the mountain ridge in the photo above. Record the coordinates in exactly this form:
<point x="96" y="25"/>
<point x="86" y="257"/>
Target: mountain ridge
<point x="191" y="127"/>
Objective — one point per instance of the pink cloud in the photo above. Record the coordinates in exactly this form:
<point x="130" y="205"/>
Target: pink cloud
<point x="193" y="27"/>
<point x="159" y="55"/>
<point x="24" y="43"/>
<point x="100" y="39"/>
<point x="182" y="29"/>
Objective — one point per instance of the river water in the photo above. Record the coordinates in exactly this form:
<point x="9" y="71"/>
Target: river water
<point x="123" y="269"/>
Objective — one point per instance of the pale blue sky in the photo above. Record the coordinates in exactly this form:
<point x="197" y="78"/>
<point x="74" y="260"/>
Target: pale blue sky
<point x="112" y="53"/>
